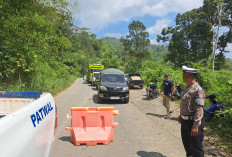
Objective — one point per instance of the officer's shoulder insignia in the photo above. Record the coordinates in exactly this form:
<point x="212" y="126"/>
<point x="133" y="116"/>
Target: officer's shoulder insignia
<point x="200" y="94"/>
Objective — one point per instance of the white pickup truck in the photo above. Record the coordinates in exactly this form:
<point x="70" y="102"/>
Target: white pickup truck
<point x="28" y="122"/>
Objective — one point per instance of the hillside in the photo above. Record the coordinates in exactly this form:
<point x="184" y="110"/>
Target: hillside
<point x="157" y="51"/>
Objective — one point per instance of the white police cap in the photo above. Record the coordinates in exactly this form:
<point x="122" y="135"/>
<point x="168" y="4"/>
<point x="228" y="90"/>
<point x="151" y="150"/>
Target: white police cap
<point x="190" y="70"/>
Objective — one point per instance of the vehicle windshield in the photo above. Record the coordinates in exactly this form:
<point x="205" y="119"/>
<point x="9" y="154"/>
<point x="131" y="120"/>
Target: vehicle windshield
<point x="113" y="78"/>
<point x="96" y="74"/>
<point x="96" y="70"/>
<point x="131" y="75"/>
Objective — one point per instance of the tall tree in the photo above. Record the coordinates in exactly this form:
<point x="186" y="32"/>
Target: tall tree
<point x="190" y="40"/>
<point x="197" y="36"/>
<point x="136" y="42"/>
<point x="227" y="22"/>
<point x="215" y="14"/>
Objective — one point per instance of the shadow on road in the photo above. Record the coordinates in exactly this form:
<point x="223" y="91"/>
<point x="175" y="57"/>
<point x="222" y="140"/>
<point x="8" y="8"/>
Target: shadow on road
<point x="94" y="88"/>
<point x="161" y="116"/>
<point x="145" y="98"/>
<point x="149" y="154"/>
<point x="148" y="99"/>
<point x="135" y="88"/>
<point x="156" y="115"/>
<point x="65" y="138"/>
<point x="85" y="82"/>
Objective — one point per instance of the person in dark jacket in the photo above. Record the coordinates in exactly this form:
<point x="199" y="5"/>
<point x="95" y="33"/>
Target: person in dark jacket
<point x="168" y="88"/>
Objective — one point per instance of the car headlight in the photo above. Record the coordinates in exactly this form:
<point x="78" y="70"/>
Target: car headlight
<point x="102" y="88"/>
<point x="125" y="89"/>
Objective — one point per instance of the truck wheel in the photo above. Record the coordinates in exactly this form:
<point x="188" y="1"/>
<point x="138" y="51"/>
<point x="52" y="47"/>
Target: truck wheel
<point x="126" y="101"/>
<point x="141" y="86"/>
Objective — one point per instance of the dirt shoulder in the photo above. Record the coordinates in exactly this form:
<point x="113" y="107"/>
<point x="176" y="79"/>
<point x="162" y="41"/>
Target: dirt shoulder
<point x="155" y="110"/>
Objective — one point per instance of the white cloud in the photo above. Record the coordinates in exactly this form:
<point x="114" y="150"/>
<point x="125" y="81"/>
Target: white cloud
<point x="97" y="14"/>
<point x="160" y="24"/>
<point x="163" y="7"/>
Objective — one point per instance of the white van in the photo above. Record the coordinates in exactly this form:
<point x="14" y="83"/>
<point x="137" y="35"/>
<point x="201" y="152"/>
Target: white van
<point x="28" y="122"/>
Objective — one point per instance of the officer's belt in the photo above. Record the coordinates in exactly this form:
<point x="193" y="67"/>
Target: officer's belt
<point x="187" y="117"/>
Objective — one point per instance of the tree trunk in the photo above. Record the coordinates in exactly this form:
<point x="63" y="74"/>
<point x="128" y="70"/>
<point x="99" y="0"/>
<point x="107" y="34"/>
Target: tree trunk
<point x="217" y="34"/>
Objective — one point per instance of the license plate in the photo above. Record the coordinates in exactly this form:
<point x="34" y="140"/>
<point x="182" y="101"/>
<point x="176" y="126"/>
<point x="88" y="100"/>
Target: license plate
<point x="114" y="97"/>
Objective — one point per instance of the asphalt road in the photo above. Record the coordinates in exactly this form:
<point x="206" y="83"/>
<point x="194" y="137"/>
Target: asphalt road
<point x="142" y="131"/>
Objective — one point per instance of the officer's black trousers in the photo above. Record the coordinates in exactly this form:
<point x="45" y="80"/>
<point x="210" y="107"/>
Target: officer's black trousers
<point x="192" y="144"/>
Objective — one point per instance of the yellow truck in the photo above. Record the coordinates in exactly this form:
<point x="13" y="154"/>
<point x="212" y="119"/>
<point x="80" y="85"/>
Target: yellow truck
<point x="93" y="68"/>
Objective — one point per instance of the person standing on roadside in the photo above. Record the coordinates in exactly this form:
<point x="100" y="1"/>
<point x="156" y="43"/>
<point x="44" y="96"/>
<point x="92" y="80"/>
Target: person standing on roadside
<point x="168" y="88"/>
<point x="191" y="114"/>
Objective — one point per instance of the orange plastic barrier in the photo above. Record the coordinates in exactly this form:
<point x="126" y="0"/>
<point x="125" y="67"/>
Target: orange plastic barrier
<point x="92" y="126"/>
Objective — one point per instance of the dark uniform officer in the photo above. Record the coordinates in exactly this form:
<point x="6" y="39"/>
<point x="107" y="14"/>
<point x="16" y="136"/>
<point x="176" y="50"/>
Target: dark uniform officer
<point x="191" y="114"/>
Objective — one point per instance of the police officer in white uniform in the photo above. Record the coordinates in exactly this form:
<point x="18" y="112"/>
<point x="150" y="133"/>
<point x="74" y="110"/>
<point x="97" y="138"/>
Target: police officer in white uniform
<point x="191" y="114"/>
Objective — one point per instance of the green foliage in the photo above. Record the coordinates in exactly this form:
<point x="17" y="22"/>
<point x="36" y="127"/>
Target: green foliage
<point x="211" y="9"/>
<point x="156" y="52"/>
<point x="40" y="49"/>
<point x="136" y="42"/>
<point x="110" y="58"/>
<point x="228" y="64"/>
<point x="129" y="62"/>
<point x="112" y="41"/>
<point x="190" y="40"/>
<point x="151" y="70"/>
<point x="193" y="37"/>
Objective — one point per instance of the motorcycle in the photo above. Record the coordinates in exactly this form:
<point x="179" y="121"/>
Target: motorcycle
<point x="152" y="90"/>
<point x="178" y="92"/>
<point x="214" y="106"/>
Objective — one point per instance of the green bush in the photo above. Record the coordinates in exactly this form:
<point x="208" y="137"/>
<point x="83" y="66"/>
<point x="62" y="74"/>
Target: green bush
<point x="151" y="70"/>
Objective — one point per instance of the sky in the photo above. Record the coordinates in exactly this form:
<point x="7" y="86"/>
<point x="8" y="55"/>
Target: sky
<point x="112" y="17"/>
